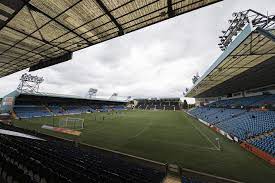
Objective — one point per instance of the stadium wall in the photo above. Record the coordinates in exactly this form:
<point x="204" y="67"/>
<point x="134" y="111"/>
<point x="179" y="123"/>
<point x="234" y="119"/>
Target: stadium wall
<point x="247" y="93"/>
<point x="258" y="153"/>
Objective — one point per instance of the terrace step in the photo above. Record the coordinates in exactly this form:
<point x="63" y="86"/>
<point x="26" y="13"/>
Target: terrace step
<point x="171" y="179"/>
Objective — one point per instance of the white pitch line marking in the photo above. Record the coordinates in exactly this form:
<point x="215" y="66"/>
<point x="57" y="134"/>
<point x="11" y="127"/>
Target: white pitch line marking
<point x="217" y="148"/>
<point x="185" y="145"/>
<point x="142" y="130"/>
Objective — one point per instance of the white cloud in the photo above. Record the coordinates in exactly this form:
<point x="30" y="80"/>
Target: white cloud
<point x="159" y="60"/>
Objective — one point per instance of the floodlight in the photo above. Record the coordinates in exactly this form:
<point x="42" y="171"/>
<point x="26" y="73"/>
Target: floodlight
<point x="243" y="15"/>
<point x="242" y="24"/>
<point x="234" y="14"/>
<point x="239" y="28"/>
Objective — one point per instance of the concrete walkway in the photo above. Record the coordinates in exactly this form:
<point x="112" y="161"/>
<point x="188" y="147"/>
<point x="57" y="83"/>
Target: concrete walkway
<point x="171" y="179"/>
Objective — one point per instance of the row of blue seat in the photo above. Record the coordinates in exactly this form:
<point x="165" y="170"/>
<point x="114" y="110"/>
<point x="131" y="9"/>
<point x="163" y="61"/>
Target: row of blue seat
<point x="215" y="115"/>
<point x="265" y="143"/>
<point x="252" y="101"/>
<point x="25" y="111"/>
<point x="249" y="124"/>
<point x="240" y="123"/>
<point x="60" y="161"/>
<point x="31" y="111"/>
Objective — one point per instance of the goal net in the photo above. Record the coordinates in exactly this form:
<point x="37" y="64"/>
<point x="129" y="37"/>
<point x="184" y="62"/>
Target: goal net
<point x="71" y="123"/>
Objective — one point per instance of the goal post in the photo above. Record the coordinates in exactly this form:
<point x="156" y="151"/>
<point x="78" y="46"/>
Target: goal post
<point x="71" y="123"/>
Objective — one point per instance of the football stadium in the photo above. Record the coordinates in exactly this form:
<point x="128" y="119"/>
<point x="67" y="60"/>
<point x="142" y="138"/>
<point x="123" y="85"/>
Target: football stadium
<point x="226" y="136"/>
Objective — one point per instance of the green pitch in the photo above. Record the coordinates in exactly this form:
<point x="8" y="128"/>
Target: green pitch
<point x="169" y="137"/>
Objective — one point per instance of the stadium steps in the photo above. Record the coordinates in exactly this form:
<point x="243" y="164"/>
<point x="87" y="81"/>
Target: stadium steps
<point x="171" y="179"/>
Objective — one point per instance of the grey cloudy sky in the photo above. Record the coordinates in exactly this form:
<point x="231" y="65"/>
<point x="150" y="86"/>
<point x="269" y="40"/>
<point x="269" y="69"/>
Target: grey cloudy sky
<point x="159" y="60"/>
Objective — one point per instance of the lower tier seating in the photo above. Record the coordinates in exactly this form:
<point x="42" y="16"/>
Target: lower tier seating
<point x="266" y="143"/>
<point x="241" y="123"/>
<point x="249" y="124"/>
<point x="215" y="115"/>
<point x="27" y="160"/>
<point x="29" y="111"/>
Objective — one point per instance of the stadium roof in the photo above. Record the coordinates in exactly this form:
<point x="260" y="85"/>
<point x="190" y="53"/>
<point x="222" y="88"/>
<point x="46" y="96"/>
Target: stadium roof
<point x="17" y="93"/>
<point x="54" y="95"/>
<point x="248" y="62"/>
<point x="41" y="33"/>
<point x="162" y="98"/>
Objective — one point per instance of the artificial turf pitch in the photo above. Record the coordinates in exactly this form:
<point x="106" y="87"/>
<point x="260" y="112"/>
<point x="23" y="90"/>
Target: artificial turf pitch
<point x="168" y="137"/>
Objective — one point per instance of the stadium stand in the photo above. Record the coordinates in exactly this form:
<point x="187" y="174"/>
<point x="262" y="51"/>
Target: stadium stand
<point x="40" y="158"/>
<point x="247" y="125"/>
<point x="215" y="115"/>
<point x="240" y="123"/>
<point x="248" y="102"/>
<point x="26" y="105"/>
<point x="29" y="111"/>
<point x="236" y="95"/>
<point x="159" y="104"/>
<point x="28" y="160"/>
<point x="264" y="142"/>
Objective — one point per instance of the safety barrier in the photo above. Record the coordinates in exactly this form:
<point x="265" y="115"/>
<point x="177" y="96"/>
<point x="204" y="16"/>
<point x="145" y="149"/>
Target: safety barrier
<point x="259" y="153"/>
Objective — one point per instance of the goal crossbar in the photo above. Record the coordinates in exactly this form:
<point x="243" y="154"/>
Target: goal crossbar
<point x="72" y="123"/>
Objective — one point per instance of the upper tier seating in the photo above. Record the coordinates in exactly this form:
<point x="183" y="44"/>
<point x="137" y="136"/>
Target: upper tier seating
<point x="253" y="101"/>
<point x="27" y="160"/>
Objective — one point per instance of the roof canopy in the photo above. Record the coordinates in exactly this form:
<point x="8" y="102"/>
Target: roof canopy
<point x="248" y="62"/>
<point x="40" y="33"/>
<point x="69" y="97"/>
